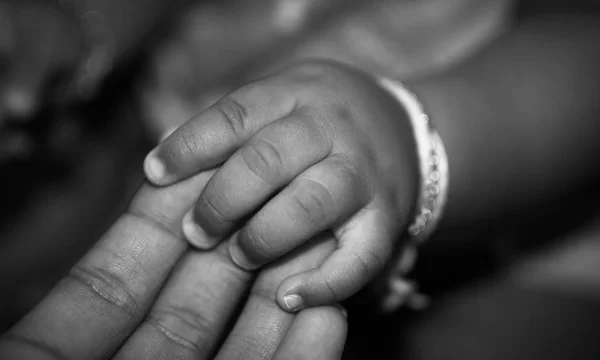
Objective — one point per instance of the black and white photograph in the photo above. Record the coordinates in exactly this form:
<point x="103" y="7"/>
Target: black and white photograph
<point x="300" y="179"/>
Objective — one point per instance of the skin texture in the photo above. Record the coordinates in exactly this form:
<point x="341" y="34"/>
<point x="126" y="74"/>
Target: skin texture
<point x="518" y="120"/>
<point x="311" y="149"/>
<point x="536" y="152"/>
<point x="140" y="292"/>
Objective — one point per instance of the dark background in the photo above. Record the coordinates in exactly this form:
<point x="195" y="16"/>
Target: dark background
<point x="531" y="290"/>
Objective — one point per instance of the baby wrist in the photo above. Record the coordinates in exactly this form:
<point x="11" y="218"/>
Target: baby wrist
<point x="431" y="200"/>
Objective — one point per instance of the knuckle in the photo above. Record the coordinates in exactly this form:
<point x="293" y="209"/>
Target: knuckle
<point x="346" y="165"/>
<point x="331" y="293"/>
<point x="263" y="159"/>
<point x="323" y="74"/>
<point x="256" y="246"/>
<point x="13" y="342"/>
<point x="264" y="293"/>
<point x="157" y="221"/>
<point x="319" y="128"/>
<point x="182" y="325"/>
<point x="109" y="286"/>
<point x="190" y="321"/>
<point x="314" y="201"/>
<point x="212" y="208"/>
<point x="188" y="144"/>
<point x="352" y="174"/>
<point x="235" y="115"/>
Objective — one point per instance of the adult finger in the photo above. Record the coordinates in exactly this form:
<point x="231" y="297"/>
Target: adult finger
<point x="215" y="134"/>
<point x="91" y="312"/>
<point x="189" y="318"/>
<point x="262" y="324"/>
<point x="320" y="198"/>
<point x="316" y="333"/>
<point x="365" y="246"/>
<point x="269" y="161"/>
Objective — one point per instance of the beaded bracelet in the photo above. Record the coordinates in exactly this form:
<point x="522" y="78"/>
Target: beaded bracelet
<point x="434" y="176"/>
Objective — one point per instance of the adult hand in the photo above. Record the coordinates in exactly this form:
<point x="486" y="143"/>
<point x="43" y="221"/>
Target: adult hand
<point x="140" y="294"/>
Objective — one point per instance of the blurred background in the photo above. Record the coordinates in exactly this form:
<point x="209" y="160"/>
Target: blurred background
<point x="85" y="94"/>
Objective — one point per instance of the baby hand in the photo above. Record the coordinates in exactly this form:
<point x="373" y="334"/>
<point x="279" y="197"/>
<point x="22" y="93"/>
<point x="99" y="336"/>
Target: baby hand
<point x="314" y="148"/>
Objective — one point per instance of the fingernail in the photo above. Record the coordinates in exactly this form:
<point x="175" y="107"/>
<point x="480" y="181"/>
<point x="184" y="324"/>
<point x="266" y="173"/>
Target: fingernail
<point x="238" y="257"/>
<point x="154" y="168"/>
<point x="195" y="235"/>
<point x="343" y="311"/>
<point x="293" y="302"/>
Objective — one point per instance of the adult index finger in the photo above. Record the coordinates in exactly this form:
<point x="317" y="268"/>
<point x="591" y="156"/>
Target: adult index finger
<point x="262" y="325"/>
<point x="91" y="312"/>
<point x="190" y="316"/>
